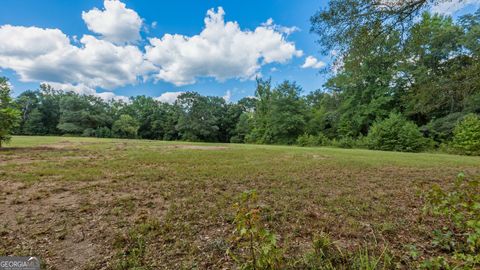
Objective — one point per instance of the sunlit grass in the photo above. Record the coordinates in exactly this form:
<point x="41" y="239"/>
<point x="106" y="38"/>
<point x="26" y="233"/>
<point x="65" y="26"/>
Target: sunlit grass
<point x="99" y="189"/>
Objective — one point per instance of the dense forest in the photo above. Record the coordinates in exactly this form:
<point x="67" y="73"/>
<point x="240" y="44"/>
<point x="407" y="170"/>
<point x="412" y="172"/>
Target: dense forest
<point x="405" y="89"/>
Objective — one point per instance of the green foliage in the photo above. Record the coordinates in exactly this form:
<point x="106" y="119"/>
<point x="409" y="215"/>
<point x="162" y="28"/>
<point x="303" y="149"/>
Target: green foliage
<point x="89" y="132"/>
<point x="33" y="124"/>
<point x="441" y="129"/>
<point x="79" y="113"/>
<point x="460" y="207"/>
<point x="280" y="113"/>
<point x="344" y="142"/>
<point x="9" y="116"/>
<point x="103" y="132"/>
<point x="253" y="246"/>
<point x="341" y="21"/>
<point x="199" y="117"/>
<point x="396" y="134"/>
<point x="242" y="128"/>
<point x="466" y="138"/>
<point x="125" y="127"/>
<point x="427" y="70"/>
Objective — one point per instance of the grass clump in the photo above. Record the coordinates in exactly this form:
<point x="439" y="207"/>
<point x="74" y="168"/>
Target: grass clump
<point x="133" y="246"/>
<point x="326" y="255"/>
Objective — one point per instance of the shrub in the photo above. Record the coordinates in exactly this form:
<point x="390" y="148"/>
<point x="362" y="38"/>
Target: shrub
<point x="344" y="142"/>
<point x="126" y="127"/>
<point x="441" y="129"/>
<point x="466" y="138"/>
<point x="460" y="207"/>
<point x="253" y="246"/>
<point x="396" y="133"/>
<point x="103" y="132"/>
<point x="88" y="132"/>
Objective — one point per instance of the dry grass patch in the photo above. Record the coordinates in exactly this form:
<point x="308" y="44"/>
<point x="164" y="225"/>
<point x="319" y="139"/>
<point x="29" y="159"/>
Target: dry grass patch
<point x="120" y="204"/>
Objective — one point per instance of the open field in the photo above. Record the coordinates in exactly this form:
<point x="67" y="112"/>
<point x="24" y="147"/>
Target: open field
<point x="83" y="203"/>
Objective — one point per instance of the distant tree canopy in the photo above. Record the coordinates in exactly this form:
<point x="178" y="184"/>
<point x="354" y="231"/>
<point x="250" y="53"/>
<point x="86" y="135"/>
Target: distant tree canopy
<point x="419" y="80"/>
<point x="9" y="116"/>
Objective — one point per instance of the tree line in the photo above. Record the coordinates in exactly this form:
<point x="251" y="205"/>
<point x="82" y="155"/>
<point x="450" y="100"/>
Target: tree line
<point x="391" y="90"/>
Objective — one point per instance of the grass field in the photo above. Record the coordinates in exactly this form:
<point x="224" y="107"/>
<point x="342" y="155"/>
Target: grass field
<point x="82" y="203"/>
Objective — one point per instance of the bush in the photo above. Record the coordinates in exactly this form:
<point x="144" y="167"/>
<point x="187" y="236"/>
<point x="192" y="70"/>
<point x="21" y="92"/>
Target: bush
<point x="396" y="133"/>
<point x="344" y="142"/>
<point x="460" y="237"/>
<point x="103" y="132"/>
<point x="126" y="127"/>
<point x="312" y="140"/>
<point x="88" y="132"/>
<point x="252" y="245"/>
<point x="441" y="129"/>
<point x="466" y="138"/>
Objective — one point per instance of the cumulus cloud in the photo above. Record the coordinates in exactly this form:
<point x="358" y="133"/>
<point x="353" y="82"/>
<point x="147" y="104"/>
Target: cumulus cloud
<point x="169" y="97"/>
<point x="115" y="22"/>
<point x="451" y="7"/>
<point x="113" y="58"/>
<point x="312" y="62"/>
<point x="38" y="54"/>
<point x="222" y="50"/>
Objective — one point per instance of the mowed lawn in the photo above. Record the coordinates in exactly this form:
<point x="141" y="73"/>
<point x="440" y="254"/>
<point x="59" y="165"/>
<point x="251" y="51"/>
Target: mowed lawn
<point x="84" y="203"/>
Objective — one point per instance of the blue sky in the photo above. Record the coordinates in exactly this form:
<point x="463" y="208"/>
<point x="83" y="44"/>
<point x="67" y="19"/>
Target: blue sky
<point x="45" y="43"/>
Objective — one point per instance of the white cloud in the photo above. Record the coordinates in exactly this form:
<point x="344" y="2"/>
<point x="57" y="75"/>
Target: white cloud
<point x="227" y="96"/>
<point x="85" y="90"/>
<point x="108" y="96"/>
<point x="222" y="51"/>
<point x="282" y="29"/>
<point x="38" y="54"/>
<point x="312" y="62"/>
<point x="451" y="7"/>
<point x="115" y="22"/>
<point x="169" y="97"/>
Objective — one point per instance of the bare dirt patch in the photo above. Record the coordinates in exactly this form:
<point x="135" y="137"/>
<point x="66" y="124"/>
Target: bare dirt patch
<point x="72" y="224"/>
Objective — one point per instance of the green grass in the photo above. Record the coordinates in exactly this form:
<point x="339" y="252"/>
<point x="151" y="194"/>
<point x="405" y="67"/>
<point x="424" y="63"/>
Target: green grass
<point x="75" y="197"/>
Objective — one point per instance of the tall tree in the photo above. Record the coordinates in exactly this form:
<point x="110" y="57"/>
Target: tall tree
<point x="126" y="127"/>
<point x="9" y="116"/>
<point x="344" y="20"/>
<point x="280" y="113"/>
<point x="81" y="113"/>
<point x="198" y="118"/>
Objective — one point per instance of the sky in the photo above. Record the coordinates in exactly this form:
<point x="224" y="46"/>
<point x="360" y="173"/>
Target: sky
<point x="117" y="49"/>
